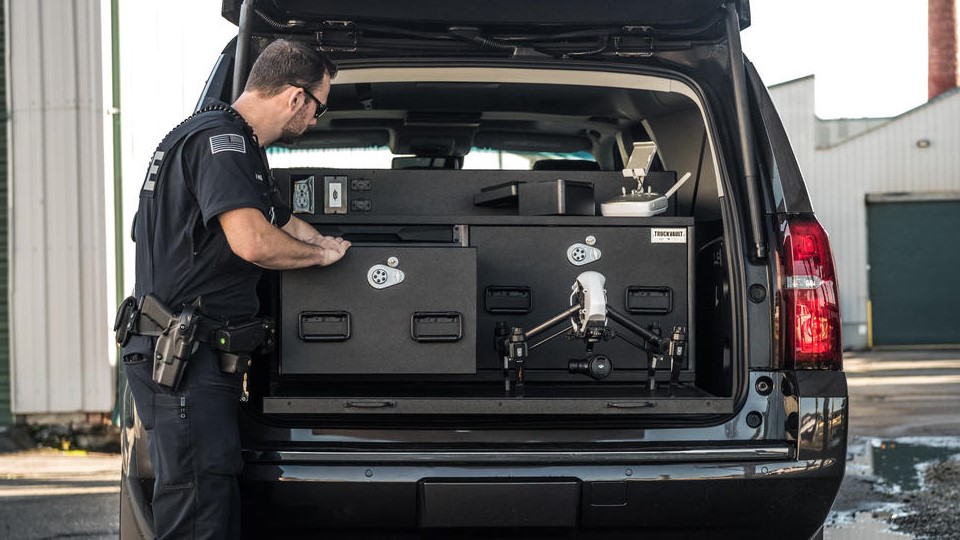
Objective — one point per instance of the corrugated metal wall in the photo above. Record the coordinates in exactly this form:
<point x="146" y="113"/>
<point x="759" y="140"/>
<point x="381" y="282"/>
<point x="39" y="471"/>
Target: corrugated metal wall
<point x="886" y="159"/>
<point x="59" y="346"/>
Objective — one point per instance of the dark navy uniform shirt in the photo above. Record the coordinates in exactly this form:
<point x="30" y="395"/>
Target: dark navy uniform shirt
<point x="182" y="252"/>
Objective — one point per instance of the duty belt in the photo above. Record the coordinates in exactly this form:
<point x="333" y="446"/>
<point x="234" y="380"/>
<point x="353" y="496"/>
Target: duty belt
<point x="150" y="317"/>
<point x="177" y="335"/>
<point x="205" y="331"/>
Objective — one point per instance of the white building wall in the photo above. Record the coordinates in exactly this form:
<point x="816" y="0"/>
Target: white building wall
<point x="59" y="345"/>
<point x="834" y="132"/>
<point x="885" y="159"/>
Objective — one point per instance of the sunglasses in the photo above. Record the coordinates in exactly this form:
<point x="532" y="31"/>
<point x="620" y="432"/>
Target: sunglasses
<point x="321" y="106"/>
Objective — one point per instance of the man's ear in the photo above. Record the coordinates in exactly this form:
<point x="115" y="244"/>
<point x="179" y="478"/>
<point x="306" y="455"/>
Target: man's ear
<point x="292" y="98"/>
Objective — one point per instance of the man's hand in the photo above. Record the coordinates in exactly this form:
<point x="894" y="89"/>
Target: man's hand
<point x="335" y="247"/>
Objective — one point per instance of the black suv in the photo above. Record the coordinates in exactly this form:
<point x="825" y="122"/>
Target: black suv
<point x="587" y="298"/>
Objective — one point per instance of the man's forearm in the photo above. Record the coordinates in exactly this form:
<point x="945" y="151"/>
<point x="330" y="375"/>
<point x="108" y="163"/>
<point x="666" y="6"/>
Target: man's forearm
<point x="254" y="239"/>
<point x="300" y="229"/>
<point x="281" y="251"/>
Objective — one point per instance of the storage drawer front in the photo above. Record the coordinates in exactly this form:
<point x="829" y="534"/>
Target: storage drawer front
<point x="535" y="259"/>
<point x="426" y="323"/>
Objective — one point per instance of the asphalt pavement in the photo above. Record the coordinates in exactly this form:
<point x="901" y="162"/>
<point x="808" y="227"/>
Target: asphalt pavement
<point x="47" y="494"/>
<point x="904" y="393"/>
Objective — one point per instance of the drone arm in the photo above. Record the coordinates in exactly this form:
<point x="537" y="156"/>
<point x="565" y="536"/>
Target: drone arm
<point x="658" y="342"/>
<point x="546" y="325"/>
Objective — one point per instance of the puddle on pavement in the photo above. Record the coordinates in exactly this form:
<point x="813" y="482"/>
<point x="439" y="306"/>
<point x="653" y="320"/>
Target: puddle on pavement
<point x="893" y="466"/>
<point x="899" y="463"/>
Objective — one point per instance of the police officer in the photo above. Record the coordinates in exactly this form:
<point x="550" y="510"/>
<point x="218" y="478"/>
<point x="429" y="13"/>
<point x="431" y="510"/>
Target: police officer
<point x="209" y="220"/>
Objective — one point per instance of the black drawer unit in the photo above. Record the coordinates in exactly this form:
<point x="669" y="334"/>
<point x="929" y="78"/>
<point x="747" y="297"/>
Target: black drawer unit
<point x="525" y="276"/>
<point x="359" y="317"/>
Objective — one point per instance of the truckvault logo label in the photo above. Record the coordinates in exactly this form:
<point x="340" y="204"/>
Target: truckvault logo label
<point x="668" y="236"/>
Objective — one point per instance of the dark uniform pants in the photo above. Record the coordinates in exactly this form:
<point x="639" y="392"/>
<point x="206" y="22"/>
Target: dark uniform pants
<point x="194" y="444"/>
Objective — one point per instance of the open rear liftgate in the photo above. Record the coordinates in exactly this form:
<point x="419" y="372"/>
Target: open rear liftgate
<point x="420" y="316"/>
<point x="395" y="327"/>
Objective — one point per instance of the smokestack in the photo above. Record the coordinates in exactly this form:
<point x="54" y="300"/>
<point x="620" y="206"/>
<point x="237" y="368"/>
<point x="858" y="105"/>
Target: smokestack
<point x="942" y="47"/>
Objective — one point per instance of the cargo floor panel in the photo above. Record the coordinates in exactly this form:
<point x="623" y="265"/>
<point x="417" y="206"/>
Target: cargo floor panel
<point x="487" y="391"/>
<point x="490" y="399"/>
<point x="504" y="406"/>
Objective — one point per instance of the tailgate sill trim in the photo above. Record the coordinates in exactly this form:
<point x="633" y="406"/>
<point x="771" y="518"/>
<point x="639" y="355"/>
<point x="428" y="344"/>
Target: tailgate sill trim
<point x="703" y="454"/>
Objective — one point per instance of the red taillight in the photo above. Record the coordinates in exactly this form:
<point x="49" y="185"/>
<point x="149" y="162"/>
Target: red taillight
<point x="809" y="309"/>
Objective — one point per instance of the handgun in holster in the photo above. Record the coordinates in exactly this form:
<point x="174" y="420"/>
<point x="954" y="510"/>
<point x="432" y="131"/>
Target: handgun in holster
<point x="176" y="341"/>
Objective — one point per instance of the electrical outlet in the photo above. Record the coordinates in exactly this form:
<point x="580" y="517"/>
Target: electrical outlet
<point x="360" y="184"/>
<point x="303" y="196"/>
<point x="361" y="205"/>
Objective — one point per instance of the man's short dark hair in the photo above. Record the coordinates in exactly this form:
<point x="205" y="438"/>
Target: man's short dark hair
<point x="286" y="62"/>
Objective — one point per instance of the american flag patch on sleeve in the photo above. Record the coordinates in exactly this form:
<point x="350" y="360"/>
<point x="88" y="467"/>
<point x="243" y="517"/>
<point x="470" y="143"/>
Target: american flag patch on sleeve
<point x="227" y="143"/>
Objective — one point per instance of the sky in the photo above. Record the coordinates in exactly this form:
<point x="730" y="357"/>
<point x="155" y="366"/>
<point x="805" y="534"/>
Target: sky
<point x="869" y="56"/>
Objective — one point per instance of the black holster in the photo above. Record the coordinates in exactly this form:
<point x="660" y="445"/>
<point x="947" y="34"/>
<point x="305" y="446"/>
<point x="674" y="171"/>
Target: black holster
<point x="124" y="325"/>
<point x="174" y="348"/>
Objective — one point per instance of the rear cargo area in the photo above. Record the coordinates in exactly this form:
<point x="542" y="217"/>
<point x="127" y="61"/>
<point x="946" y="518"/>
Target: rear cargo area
<point x="479" y="203"/>
<point x="412" y="321"/>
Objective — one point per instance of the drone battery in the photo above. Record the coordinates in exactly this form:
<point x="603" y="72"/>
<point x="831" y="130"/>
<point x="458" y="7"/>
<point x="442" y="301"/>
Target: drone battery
<point x="365" y="316"/>
<point x="557" y="198"/>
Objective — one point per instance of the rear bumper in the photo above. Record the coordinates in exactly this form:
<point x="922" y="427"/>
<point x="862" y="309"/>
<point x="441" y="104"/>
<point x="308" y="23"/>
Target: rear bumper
<point x="788" y="498"/>
<point x="719" y="481"/>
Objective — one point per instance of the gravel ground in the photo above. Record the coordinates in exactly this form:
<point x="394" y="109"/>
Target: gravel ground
<point x="933" y="510"/>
